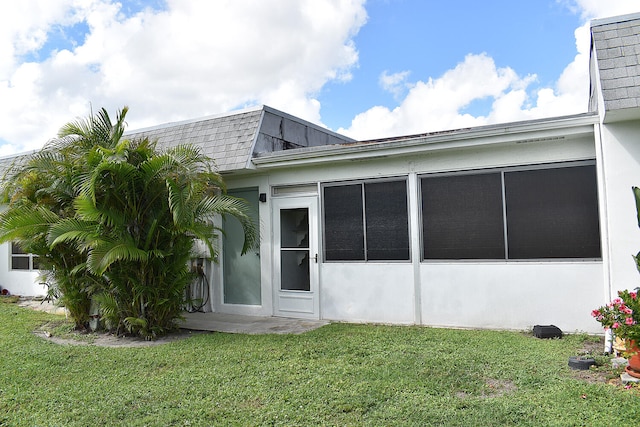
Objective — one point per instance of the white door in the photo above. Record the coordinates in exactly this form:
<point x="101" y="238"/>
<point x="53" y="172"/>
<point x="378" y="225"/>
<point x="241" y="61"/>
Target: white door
<point x="295" y="270"/>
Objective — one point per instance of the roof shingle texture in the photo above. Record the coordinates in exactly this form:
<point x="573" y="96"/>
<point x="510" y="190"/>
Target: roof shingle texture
<point x="226" y="139"/>
<point x="618" y="51"/>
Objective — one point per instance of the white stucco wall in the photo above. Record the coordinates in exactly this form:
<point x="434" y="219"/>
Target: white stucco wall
<point x="620" y="159"/>
<point x="511" y="295"/>
<point x="360" y="292"/>
<point x="18" y="282"/>
<point x="480" y="294"/>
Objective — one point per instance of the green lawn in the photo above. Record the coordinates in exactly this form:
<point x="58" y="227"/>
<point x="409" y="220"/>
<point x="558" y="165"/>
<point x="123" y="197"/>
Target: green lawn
<point x="340" y="374"/>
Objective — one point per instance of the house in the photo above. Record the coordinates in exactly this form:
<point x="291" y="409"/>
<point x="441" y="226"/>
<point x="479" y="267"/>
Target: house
<point x="502" y="226"/>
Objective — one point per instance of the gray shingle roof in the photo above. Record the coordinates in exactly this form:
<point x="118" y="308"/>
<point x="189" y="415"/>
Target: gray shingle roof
<point x="616" y="42"/>
<point x="234" y="138"/>
<point x="227" y="138"/>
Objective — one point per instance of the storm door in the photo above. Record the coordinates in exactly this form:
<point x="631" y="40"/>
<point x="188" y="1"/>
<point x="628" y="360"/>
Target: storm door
<point x="296" y="257"/>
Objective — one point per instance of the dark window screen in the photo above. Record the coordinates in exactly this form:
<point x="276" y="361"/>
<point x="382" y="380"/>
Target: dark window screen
<point x="20" y="263"/>
<point x="19" y="258"/>
<point x="462" y="217"/>
<point x="387" y="220"/>
<point x="552" y="213"/>
<point x="17" y="249"/>
<point x="343" y="223"/>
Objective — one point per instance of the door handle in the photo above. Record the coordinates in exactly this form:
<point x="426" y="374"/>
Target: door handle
<point x="316" y="258"/>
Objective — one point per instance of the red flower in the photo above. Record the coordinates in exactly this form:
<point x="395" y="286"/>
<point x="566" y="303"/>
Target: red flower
<point x="621" y="315"/>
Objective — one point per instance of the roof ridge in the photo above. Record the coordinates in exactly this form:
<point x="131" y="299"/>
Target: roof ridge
<point x="615" y="19"/>
<point x="197" y="119"/>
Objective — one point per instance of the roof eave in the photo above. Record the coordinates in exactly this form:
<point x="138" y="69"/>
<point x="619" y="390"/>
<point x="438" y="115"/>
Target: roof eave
<point x="519" y="132"/>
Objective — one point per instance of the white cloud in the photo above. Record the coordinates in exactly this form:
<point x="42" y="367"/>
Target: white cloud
<point x="395" y="83"/>
<point x="590" y="9"/>
<point x="192" y="59"/>
<point x="198" y="57"/>
<point x="439" y="103"/>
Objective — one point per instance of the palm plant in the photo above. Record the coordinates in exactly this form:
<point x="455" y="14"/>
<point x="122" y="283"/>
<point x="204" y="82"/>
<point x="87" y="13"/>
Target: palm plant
<point x="40" y="190"/>
<point x="138" y="216"/>
<point x="127" y="217"/>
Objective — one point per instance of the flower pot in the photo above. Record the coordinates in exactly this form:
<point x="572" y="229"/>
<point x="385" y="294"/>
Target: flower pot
<point x="634" y="361"/>
<point x="631" y="372"/>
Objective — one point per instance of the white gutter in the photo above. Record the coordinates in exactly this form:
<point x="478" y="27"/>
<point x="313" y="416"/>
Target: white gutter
<point x="546" y="130"/>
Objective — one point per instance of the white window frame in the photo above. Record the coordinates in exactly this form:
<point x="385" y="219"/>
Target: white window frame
<point x="362" y="183"/>
<point x="502" y="171"/>
<point x="21" y="255"/>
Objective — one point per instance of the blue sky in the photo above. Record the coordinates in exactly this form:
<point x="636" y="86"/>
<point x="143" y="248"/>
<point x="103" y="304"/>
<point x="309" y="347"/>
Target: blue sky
<point x="368" y="69"/>
<point x="429" y="37"/>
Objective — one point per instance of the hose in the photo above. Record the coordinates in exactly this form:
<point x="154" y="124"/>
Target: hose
<point x="198" y="287"/>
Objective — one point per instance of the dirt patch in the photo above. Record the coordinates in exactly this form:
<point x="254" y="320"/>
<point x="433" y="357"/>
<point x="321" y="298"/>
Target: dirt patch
<point x="593" y="346"/>
<point x="595" y="375"/>
<point x="49" y="331"/>
<point x="499" y="387"/>
<point x="603" y="371"/>
<point x="496" y="388"/>
<point x="110" y="340"/>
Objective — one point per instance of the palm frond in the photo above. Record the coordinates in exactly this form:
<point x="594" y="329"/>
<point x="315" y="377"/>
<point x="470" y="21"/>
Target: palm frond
<point x="88" y="211"/>
<point x="23" y="223"/>
<point x="122" y="173"/>
<point x="177" y="201"/>
<point x="223" y="205"/>
<point x="71" y="230"/>
<point x="106" y="253"/>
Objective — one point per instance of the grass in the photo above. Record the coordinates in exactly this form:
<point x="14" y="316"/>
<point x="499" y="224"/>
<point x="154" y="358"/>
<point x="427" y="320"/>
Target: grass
<point x="341" y="374"/>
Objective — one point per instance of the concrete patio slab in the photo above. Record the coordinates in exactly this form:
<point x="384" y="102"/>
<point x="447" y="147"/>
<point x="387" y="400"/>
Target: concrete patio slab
<point x="40" y="304"/>
<point x="253" y="325"/>
<point x="213" y="322"/>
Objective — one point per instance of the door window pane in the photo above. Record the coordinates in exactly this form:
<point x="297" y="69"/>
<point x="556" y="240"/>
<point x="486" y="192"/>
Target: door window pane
<point x="294" y="272"/>
<point x="294" y="262"/>
<point x="294" y="228"/>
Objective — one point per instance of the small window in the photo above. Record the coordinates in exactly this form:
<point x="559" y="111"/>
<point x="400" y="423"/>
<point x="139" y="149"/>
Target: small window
<point x="367" y="221"/>
<point x="21" y="260"/>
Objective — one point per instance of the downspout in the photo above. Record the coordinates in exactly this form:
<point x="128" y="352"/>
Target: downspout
<point x="595" y="90"/>
<point x="415" y="244"/>
<point x="604" y="227"/>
